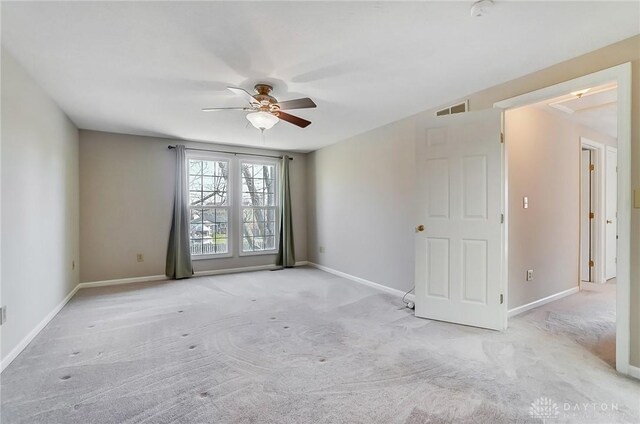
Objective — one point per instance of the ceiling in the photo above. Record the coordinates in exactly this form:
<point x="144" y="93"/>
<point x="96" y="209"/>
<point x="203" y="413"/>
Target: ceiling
<point x="597" y="108"/>
<point x="147" y="68"/>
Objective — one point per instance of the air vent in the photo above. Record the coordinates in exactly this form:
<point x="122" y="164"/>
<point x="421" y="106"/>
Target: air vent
<point x="457" y="108"/>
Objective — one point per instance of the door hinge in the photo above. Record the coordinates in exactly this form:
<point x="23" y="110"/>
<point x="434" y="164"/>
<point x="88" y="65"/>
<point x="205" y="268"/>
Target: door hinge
<point x="501" y="299"/>
<point x="592" y="167"/>
<point x="590" y="263"/>
<point x="591" y="215"/>
<point x="502" y="218"/>
<point x="501" y="137"/>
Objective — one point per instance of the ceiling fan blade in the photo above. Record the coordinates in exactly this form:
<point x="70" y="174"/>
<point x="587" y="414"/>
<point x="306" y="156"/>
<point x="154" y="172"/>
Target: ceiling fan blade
<point x="302" y="123"/>
<point x="296" y="104"/>
<point x="213" y="109"/>
<point x="244" y="94"/>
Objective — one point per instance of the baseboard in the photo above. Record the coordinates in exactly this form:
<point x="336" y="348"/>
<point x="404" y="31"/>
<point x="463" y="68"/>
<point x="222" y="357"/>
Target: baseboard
<point x="243" y="269"/>
<point x="122" y="281"/>
<point x="164" y="277"/>
<point x="377" y="286"/>
<point x="234" y="270"/>
<point x="634" y="371"/>
<point x="520" y="309"/>
<point x="33" y="333"/>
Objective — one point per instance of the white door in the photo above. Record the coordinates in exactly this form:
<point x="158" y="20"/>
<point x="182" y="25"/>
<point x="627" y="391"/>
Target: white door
<point x="611" y="214"/>
<point x="585" y="217"/>
<point x="459" y="252"/>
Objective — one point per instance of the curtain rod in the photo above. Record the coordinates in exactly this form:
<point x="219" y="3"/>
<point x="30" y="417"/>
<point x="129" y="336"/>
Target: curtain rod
<point x="230" y="153"/>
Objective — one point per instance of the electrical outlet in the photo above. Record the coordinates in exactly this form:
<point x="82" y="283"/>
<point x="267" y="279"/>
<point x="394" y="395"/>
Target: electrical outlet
<point x="3" y="315"/>
<point x="525" y="202"/>
<point x="529" y="274"/>
<point x="321" y="249"/>
<point x="140" y="257"/>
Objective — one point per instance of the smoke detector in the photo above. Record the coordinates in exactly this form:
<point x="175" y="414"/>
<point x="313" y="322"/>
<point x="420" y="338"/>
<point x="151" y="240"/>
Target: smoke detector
<point x="481" y="8"/>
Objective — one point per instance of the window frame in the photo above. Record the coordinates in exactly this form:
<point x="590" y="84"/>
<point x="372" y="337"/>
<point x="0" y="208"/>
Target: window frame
<point x="258" y="161"/>
<point x="234" y="202"/>
<point x="230" y="202"/>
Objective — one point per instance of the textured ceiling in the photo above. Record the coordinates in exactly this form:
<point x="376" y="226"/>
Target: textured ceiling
<point x="148" y="67"/>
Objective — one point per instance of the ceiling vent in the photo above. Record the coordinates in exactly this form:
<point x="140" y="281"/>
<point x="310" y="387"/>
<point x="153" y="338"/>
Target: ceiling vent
<point x="457" y="108"/>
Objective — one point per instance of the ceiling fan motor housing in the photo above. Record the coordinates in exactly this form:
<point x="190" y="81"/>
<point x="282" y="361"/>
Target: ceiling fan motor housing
<point x="264" y="106"/>
<point x="267" y="102"/>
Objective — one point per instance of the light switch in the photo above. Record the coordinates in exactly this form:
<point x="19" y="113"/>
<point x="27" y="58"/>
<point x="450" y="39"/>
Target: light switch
<point x="525" y="202"/>
<point x="636" y="198"/>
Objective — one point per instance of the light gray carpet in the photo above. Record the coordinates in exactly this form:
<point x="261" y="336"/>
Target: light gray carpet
<point x="303" y="346"/>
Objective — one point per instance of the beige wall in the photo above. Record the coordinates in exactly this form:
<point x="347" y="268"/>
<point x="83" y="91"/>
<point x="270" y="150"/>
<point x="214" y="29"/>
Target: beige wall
<point x="390" y="157"/>
<point x="543" y="153"/>
<point x="126" y="191"/>
<point x="361" y="196"/>
<point x="39" y="204"/>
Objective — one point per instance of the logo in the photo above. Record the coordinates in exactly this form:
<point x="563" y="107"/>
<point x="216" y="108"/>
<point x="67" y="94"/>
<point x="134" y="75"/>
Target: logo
<point x="544" y="409"/>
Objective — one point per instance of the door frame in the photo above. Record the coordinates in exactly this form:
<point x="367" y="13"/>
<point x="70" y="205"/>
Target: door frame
<point x="598" y="195"/>
<point x="622" y="75"/>
<point x="604" y="210"/>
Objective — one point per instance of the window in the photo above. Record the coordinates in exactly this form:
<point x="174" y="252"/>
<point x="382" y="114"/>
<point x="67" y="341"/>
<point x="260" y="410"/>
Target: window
<point x="232" y="201"/>
<point x="259" y="206"/>
<point x="209" y="206"/>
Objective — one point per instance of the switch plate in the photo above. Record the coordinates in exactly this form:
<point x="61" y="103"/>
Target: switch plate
<point x="525" y="202"/>
<point x="529" y="274"/>
<point x="3" y="315"/>
<point x="140" y="257"/>
<point x="321" y="249"/>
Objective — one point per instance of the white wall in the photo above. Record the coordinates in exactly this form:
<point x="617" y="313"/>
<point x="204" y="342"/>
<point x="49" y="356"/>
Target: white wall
<point x="126" y="190"/>
<point x="543" y="153"/>
<point x="39" y="204"/>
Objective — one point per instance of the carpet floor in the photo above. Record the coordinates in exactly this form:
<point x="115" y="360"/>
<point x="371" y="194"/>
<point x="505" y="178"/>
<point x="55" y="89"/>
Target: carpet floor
<point x="303" y="346"/>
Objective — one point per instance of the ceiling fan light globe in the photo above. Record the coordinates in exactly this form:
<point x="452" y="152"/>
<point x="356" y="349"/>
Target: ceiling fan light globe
<point x="262" y="120"/>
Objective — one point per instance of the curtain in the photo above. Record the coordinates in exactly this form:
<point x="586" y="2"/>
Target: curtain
<point x="286" y="257"/>
<point x="179" y="253"/>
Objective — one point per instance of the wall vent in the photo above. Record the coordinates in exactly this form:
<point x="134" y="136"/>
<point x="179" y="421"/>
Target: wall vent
<point x="457" y="108"/>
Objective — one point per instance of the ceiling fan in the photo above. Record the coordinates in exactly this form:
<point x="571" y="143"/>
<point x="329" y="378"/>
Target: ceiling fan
<point x="265" y="109"/>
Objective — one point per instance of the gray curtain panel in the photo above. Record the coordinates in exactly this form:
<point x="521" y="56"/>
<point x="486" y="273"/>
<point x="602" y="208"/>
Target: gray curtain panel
<point x="286" y="256"/>
<point x="179" y="252"/>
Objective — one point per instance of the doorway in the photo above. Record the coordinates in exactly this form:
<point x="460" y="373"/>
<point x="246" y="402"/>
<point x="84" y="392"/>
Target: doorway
<point x="611" y="212"/>
<point x="587" y="166"/>
<point x="598" y="211"/>
<point x="619" y="215"/>
<point x="464" y="252"/>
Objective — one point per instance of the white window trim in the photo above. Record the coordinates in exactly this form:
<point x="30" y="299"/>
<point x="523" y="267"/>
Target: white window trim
<point x="230" y="199"/>
<point x="235" y="202"/>
<point x="259" y="161"/>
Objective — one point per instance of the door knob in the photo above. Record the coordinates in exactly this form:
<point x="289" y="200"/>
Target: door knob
<point x="609" y="221"/>
<point x="420" y="228"/>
